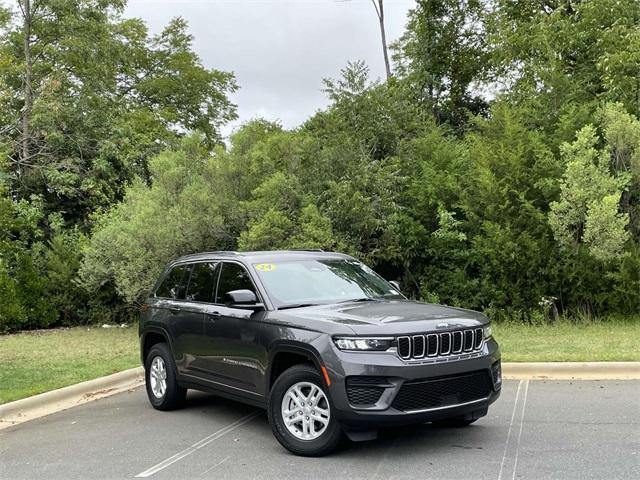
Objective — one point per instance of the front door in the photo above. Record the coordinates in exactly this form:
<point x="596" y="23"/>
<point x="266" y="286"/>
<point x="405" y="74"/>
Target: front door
<point x="233" y="356"/>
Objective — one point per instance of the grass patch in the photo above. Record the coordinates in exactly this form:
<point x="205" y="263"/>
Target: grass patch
<point x="613" y="340"/>
<point x="35" y="362"/>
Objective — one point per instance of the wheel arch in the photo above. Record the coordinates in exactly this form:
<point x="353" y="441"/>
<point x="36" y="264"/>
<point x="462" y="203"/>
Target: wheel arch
<point x="284" y="355"/>
<point x="151" y="337"/>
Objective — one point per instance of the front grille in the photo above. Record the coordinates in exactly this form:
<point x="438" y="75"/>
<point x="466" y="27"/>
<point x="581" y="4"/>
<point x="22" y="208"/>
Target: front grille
<point x="440" y="344"/>
<point x="364" y="390"/>
<point x="441" y="392"/>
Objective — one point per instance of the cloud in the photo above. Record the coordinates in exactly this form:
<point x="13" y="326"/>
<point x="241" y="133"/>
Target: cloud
<point x="280" y="50"/>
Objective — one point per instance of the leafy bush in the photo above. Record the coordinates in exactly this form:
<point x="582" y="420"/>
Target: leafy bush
<point x="525" y="205"/>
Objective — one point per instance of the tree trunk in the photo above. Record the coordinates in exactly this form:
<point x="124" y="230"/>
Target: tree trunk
<point x="380" y="12"/>
<point x="27" y="89"/>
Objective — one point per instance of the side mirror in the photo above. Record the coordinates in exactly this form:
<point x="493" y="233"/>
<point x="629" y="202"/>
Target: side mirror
<point x="395" y="285"/>
<point x="241" y="298"/>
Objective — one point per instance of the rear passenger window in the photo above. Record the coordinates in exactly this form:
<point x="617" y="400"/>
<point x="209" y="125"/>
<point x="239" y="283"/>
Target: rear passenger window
<point x="174" y="284"/>
<point x="202" y="282"/>
<point x="233" y="277"/>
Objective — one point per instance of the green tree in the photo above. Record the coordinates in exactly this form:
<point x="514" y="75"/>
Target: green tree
<point x="25" y="304"/>
<point x="505" y="198"/>
<point x="442" y="57"/>
<point x="562" y="59"/>
<point x="178" y="213"/>
<point x="89" y="96"/>
<point x="588" y="209"/>
<point x="509" y="205"/>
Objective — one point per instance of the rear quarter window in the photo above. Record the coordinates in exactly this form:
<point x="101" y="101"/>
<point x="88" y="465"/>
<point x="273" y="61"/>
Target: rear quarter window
<point x="174" y="283"/>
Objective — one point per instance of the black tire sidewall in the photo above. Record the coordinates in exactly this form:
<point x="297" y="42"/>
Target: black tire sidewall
<point x="175" y="394"/>
<point x="323" y="445"/>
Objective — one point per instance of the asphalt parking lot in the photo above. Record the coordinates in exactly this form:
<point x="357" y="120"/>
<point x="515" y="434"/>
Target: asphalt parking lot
<point x="536" y="430"/>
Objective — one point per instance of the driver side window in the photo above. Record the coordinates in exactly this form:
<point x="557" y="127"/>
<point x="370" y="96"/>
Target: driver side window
<point x="233" y="277"/>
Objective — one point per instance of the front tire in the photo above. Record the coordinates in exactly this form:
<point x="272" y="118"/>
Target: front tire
<point x="160" y="378"/>
<point x="300" y="413"/>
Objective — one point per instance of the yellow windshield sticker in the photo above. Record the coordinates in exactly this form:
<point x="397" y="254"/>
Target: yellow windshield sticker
<point x="265" y="267"/>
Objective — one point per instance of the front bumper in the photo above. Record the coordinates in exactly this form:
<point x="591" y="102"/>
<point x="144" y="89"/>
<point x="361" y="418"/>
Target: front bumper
<point x="395" y="372"/>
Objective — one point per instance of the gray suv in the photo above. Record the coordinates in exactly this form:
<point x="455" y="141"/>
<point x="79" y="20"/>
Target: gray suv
<point x="321" y="341"/>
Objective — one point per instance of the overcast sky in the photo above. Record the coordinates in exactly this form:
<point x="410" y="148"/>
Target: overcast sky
<point x="280" y="50"/>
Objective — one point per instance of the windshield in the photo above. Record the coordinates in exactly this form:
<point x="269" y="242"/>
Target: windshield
<point x="313" y="282"/>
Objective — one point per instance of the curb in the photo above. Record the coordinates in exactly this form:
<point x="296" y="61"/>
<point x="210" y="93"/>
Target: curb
<point x="57" y="400"/>
<point x="571" y="371"/>
<point x="63" y="398"/>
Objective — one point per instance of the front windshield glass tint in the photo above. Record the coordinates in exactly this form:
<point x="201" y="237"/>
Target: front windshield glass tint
<point x="321" y="282"/>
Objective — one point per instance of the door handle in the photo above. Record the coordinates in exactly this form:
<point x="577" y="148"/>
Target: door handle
<point x="213" y="315"/>
<point x="174" y="311"/>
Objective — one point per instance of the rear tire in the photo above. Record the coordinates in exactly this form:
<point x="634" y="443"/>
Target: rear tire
<point x="313" y="430"/>
<point x="160" y="378"/>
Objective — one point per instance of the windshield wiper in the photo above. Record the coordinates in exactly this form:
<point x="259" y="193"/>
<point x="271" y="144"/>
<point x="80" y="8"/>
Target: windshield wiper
<point x="298" y="305"/>
<point x="354" y="300"/>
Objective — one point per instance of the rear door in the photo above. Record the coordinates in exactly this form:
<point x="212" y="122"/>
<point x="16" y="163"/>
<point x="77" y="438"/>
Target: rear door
<point x="191" y="320"/>
<point x="182" y="327"/>
<point x="235" y="358"/>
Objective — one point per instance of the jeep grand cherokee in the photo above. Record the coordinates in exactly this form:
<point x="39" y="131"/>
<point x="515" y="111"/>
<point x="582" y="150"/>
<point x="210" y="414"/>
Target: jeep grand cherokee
<point x="318" y="339"/>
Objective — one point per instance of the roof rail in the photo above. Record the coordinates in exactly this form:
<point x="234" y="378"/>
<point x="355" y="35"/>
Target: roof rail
<point x="216" y="252"/>
<point x="306" y="250"/>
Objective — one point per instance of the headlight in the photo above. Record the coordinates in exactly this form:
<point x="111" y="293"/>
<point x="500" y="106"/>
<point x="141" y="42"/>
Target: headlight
<point x="363" y="344"/>
<point x="486" y="331"/>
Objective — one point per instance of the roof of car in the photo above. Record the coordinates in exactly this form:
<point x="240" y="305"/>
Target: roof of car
<point x="262" y="256"/>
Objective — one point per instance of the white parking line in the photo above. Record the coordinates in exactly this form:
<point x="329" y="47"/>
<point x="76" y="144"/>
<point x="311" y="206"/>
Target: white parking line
<point x="513" y="416"/>
<point x="214" y="466"/>
<point x="524" y="404"/>
<point x="508" y="444"/>
<point x="198" y="445"/>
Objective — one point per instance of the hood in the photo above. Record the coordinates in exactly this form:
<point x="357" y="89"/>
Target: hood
<point x="383" y="317"/>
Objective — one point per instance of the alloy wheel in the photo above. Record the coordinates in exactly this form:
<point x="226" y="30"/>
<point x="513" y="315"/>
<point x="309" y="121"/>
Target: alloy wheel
<point x="158" y="377"/>
<point x="305" y="411"/>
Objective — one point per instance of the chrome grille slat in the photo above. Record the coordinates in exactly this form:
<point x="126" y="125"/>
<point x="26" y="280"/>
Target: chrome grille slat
<point x="467" y="337"/>
<point x="404" y="347"/>
<point x="478" y="338"/>
<point x="432" y="345"/>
